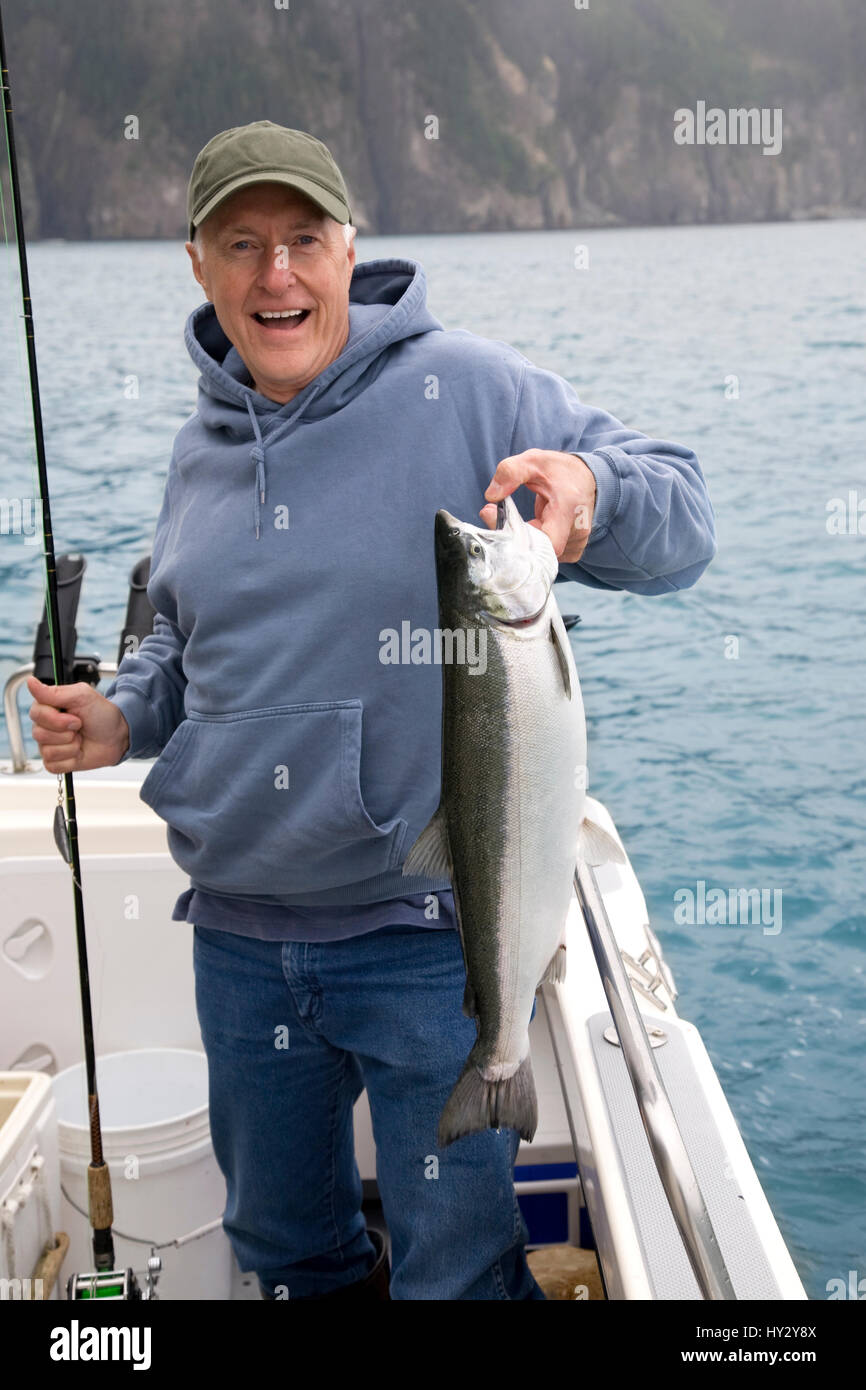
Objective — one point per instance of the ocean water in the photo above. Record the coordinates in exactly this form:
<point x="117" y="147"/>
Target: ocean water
<point x="726" y="723"/>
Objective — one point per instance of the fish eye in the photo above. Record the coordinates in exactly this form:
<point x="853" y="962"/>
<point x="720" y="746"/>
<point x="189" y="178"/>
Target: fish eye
<point x="475" y="548"/>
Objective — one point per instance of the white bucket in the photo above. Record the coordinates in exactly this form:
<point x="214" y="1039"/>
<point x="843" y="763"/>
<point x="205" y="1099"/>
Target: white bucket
<point x="165" y="1182"/>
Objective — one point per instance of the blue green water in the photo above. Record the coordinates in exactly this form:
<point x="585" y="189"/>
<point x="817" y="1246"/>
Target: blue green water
<point x="737" y="764"/>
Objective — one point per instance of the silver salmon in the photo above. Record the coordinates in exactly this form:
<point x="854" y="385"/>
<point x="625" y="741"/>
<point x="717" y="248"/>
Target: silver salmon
<point x="510" y="816"/>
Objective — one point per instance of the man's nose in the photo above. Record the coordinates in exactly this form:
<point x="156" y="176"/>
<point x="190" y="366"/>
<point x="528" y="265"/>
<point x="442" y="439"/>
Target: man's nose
<point x="276" y="270"/>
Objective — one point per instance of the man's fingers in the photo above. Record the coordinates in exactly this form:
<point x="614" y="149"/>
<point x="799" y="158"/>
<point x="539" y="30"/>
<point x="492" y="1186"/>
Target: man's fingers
<point x="556" y="525"/>
<point x="54" y="705"/>
<point x="510" y="473"/>
<point x="556" y="522"/>
<point x="40" y="691"/>
<point x="67" y="697"/>
<point x="55" y="720"/>
<point x="59" y="752"/>
<point x="47" y="738"/>
<point x="60" y="762"/>
<point x="565" y="495"/>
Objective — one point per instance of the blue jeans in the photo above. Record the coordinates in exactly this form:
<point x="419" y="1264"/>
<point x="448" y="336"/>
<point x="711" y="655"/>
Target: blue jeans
<point x="293" y="1032"/>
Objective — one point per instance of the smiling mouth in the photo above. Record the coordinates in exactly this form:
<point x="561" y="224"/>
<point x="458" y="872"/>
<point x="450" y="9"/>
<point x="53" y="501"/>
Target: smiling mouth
<point x="282" y="321"/>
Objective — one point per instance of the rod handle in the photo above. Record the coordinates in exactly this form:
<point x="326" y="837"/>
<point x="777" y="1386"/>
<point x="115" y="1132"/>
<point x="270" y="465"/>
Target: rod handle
<point x="99" y="1194"/>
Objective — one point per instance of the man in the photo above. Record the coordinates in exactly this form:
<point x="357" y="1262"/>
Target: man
<point x="296" y="768"/>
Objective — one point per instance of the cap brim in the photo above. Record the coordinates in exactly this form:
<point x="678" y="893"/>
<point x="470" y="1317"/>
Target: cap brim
<point x="334" y="207"/>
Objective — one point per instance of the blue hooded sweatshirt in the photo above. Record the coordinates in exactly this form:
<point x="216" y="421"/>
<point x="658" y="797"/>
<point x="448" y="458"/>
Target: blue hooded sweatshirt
<point x="296" y="763"/>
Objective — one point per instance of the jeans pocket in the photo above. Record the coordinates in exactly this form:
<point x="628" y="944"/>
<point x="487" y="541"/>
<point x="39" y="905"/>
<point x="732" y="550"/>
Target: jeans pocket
<point x="268" y="802"/>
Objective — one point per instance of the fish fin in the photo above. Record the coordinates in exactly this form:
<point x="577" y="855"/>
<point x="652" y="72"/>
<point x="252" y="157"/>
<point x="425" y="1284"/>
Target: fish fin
<point x="596" y="846"/>
<point x="430" y="853"/>
<point x="556" y="637"/>
<point x="476" y="1104"/>
<point x="556" y="968"/>
<point x="470" y="1006"/>
<point x="458" y="913"/>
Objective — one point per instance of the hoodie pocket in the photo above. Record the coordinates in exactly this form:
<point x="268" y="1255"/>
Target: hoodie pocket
<point x="268" y="802"/>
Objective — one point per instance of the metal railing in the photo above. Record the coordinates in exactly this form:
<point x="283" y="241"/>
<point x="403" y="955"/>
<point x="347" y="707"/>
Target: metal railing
<point x="659" y="1121"/>
<point x="13" y="714"/>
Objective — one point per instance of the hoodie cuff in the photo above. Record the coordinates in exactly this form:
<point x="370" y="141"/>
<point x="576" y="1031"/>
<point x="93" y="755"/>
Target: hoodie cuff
<point x="608" y="490"/>
<point x="142" y="721"/>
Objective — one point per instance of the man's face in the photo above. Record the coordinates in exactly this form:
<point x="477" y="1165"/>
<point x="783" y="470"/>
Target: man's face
<point x="268" y="248"/>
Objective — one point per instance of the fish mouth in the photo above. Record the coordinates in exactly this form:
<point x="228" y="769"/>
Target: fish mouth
<point x="527" y="593"/>
<point x="447" y="529"/>
<point x="500" y="620"/>
<point x="453" y="536"/>
<point x="448" y="526"/>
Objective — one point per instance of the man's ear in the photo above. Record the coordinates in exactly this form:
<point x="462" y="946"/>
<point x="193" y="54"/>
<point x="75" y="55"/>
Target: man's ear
<point x="197" y="267"/>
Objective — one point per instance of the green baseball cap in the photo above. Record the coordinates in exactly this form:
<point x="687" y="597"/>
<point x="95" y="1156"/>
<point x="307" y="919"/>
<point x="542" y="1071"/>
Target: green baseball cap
<point x="265" y="153"/>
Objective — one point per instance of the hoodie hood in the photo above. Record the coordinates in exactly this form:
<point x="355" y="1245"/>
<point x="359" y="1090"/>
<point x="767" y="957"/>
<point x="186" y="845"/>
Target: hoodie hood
<point x="387" y="304"/>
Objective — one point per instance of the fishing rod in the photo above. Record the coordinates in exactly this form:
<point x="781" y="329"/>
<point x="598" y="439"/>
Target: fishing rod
<point x="105" y="1281"/>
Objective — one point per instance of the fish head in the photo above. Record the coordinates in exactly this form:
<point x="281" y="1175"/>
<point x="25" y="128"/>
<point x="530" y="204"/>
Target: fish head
<point x="504" y="575"/>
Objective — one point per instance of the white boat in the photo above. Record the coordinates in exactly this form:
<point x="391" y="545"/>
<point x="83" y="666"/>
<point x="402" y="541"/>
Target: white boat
<point x="664" y="1191"/>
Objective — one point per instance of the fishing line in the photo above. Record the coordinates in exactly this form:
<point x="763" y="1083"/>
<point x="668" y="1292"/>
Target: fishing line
<point x="174" y="1243"/>
<point x="65" y="823"/>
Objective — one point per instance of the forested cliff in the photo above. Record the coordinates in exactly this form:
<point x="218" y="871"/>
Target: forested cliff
<point x="541" y="114"/>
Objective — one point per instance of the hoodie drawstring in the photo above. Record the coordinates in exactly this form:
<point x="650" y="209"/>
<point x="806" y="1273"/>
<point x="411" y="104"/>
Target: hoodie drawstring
<point x="257" y="456"/>
<point x="257" y="453"/>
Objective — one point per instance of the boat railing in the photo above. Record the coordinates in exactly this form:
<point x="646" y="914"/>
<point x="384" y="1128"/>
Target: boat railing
<point x="17" y="749"/>
<point x="666" y="1143"/>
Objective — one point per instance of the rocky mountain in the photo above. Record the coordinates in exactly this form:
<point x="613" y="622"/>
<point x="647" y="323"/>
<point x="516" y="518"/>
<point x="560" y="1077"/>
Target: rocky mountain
<point x="447" y="115"/>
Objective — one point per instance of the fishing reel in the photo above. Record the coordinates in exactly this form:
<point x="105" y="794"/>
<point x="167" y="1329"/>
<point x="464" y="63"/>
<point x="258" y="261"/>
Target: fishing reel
<point x="120" y="1285"/>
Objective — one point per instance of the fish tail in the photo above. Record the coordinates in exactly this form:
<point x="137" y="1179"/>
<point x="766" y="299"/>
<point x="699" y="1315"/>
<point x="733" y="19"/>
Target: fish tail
<point x="477" y="1104"/>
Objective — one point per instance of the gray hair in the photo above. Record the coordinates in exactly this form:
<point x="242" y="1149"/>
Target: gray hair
<point x="347" y="228"/>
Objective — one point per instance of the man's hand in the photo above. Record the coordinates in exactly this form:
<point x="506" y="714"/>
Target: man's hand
<point x="565" y="499"/>
<point x="76" y="727"/>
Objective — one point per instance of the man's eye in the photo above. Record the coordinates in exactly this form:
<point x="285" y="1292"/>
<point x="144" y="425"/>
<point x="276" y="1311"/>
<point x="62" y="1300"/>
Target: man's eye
<point x="306" y="237"/>
<point x="239" y="245"/>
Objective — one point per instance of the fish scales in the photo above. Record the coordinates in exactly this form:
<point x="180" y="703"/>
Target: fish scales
<point x="506" y="845"/>
<point x="509" y="825"/>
